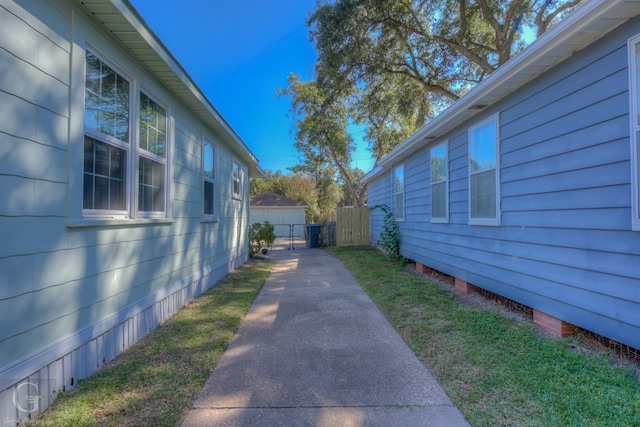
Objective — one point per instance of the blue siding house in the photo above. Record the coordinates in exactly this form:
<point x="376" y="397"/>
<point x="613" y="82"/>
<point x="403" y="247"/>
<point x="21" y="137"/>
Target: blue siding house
<point x="527" y="186"/>
<point x="124" y="193"/>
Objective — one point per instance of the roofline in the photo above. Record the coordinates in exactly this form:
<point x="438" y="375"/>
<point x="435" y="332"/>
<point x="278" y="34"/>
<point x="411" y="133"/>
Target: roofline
<point x="126" y="10"/>
<point x="583" y="26"/>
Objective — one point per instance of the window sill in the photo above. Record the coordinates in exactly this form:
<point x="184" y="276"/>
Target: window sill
<point x="440" y="220"/>
<point x="208" y="220"/>
<point x="115" y="222"/>
<point x="486" y="222"/>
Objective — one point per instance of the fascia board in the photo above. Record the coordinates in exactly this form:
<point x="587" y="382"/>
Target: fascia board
<point x="579" y="25"/>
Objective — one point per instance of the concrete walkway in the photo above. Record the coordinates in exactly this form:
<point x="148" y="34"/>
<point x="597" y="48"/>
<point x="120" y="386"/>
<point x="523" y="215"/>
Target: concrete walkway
<point x="314" y="350"/>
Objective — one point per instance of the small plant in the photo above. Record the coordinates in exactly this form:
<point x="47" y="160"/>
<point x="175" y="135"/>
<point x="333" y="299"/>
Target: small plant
<point x="261" y="237"/>
<point x="389" y="239"/>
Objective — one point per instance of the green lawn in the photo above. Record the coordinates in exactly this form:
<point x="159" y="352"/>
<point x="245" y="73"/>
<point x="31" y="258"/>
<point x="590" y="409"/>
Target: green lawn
<point x="155" y="381"/>
<point x="497" y="371"/>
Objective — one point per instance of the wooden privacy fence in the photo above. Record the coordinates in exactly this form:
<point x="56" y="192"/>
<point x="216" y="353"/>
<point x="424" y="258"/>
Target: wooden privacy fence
<point x="352" y="226"/>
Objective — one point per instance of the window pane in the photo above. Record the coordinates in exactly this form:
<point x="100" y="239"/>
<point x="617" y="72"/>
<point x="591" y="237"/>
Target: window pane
<point x="399" y="180"/>
<point x="104" y="176"/>
<point x="439" y="200"/>
<point x="483" y="195"/>
<point x="102" y="163"/>
<point x="400" y="205"/>
<point x="150" y="186"/>
<point x="106" y="99"/>
<point x="101" y="193"/>
<point x="398" y="185"/>
<point x="236" y="179"/>
<point x="88" y="195"/>
<point x="637" y="56"/>
<point x="152" y="126"/>
<point x="208" y="161"/>
<point x="439" y="164"/>
<point x="208" y="198"/>
<point x="482" y="146"/>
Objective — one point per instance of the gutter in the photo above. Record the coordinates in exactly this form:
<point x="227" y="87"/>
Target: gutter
<point x="583" y="26"/>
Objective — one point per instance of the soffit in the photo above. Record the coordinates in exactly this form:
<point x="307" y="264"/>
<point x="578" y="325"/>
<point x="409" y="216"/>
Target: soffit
<point x="585" y="25"/>
<point x="129" y="28"/>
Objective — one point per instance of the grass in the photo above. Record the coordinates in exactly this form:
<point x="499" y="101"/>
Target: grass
<point x="155" y="381"/>
<point x="496" y="371"/>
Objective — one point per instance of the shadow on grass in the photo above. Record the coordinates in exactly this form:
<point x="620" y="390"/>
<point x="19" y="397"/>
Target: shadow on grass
<point x="155" y="381"/>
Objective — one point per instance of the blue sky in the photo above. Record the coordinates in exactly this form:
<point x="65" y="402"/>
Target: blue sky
<point x="240" y="53"/>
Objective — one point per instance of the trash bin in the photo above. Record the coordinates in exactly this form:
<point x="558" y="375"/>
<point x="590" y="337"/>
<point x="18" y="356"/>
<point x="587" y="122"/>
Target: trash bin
<point x="313" y="232"/>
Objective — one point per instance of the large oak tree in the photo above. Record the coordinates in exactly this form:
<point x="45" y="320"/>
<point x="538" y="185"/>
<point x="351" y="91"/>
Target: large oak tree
<point x="391" y="65"/>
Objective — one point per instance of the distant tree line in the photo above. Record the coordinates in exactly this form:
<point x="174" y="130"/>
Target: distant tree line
<point x="322" y="192"/>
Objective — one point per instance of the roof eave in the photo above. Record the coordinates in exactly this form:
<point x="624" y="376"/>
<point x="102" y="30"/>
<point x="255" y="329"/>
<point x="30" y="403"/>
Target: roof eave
<point x="586" y="24"/>
<point x="130" y="29"/>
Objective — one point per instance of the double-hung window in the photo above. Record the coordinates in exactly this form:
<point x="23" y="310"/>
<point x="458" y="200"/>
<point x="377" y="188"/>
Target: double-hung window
<point x="152" y="153"/>
<point x="116" y="152"/>
<point x="106" y="141"/>
<point x="439" y="179"/>
<point x="634" y="93"/>
<point x="398" y="191"/>
<point x="237" y="180"/>
<point x="208" y="166"/>
<point x="484" y="173"/>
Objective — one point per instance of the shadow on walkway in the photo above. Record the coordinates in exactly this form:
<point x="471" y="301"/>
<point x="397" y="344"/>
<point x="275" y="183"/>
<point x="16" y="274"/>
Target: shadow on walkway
<point x="314" y="350"/>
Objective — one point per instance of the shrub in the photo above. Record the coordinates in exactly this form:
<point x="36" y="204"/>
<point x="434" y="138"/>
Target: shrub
<point x="261" y="236"/>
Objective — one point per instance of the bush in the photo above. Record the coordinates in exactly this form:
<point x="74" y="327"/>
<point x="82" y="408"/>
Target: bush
<point x="261" y="236"/>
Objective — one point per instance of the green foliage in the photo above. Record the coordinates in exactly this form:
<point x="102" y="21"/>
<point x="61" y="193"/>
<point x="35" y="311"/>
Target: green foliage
<point x="319" y="191"/>
<point x="389" y="239"/>
<point x="498" y="372"/>
<point x="322" y="132"/>
<point x="398" y="63"/>
<point x="347" y="195"/>
<point x="261" y="236"/>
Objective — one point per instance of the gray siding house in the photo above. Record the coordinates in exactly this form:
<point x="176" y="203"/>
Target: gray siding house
<point x="528" y="185"/>
<point x="124" y="194"/>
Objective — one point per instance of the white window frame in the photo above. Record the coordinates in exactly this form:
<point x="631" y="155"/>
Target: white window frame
<point x="634" y="122"/>
<point x="495" y="221"/>
<point x="237" y="180"/>
<point x="396" y="193"/>
<point x="87" y="217"/>
<point x="110" y="140"/>
<point x="445" y="181"/>
<point x="211" y="180"/>
<point x="142" y="153"/>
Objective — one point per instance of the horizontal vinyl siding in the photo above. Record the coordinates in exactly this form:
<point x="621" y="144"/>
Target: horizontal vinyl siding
<point x="378" y="193"/>
<point x="565" y="246"/>
<point x="73" y="297"/>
